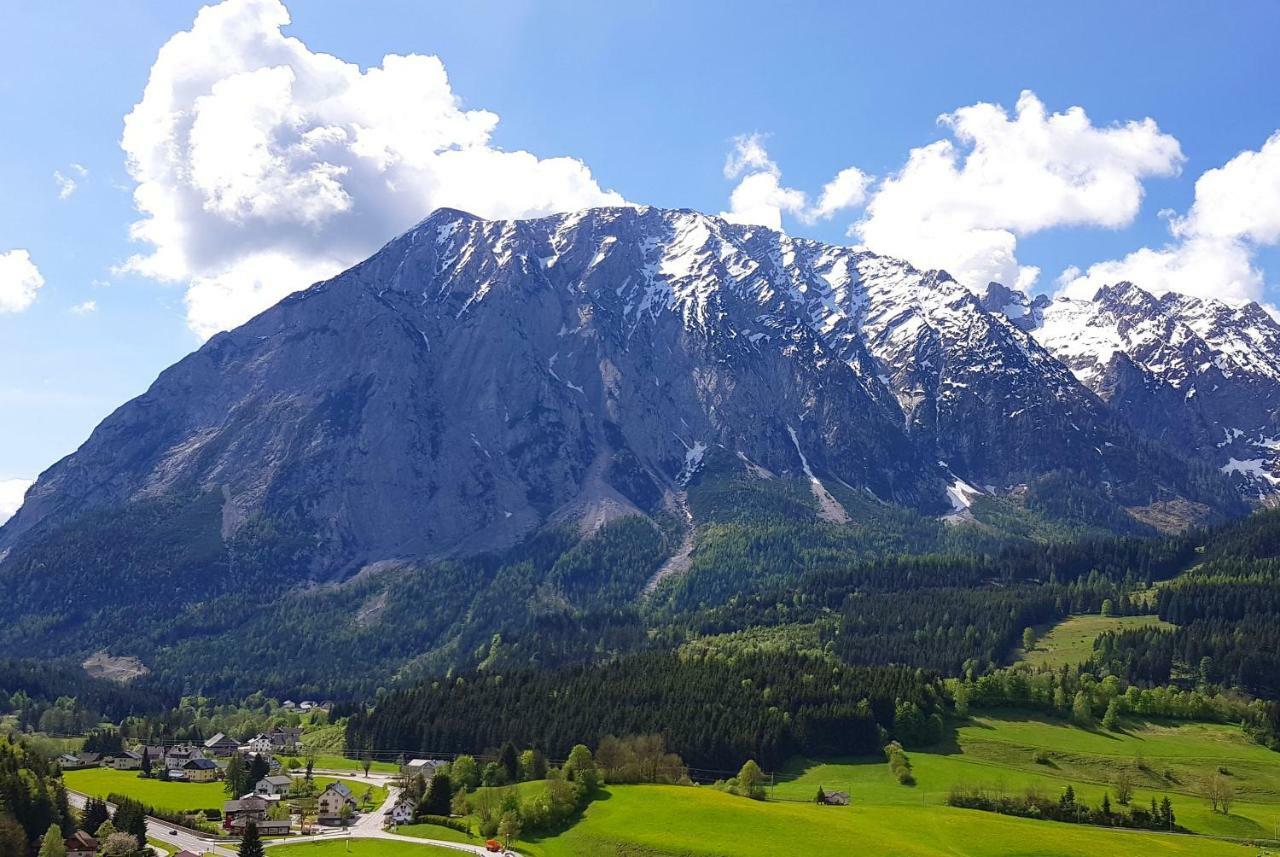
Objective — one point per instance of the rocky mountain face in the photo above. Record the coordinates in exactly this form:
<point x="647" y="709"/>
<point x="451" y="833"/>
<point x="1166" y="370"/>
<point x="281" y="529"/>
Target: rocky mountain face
<point x="1196" y="374"/>
<point x="475" y="381"/>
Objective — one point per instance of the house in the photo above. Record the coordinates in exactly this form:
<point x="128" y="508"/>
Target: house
<point x="201" y="771"/>
<point x="126" y="761"/>
<point x="277" y="785"/>
<point x="80" y="844"/>
<point x="285" y="738"/>
<point x="260" y="744"/>
<point x="221" y="745"/>
<point x="69" y="760"/>
<point x="252" y="807"/>
<point x="835" y="798"/>
<point x="401" y="813"/>
<point x="177" y="756"/>
<point x="426" y="767"/>
<point x="88" y="760"/>
<point x="266" y="826"/>
<point x="329" y="805"/>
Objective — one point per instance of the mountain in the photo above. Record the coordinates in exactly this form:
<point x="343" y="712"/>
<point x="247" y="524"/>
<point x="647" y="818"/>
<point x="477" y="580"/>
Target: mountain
<point x="1197" y="374"/>
<point x="489" y="422"/>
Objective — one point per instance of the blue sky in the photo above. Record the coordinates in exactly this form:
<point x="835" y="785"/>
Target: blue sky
<point x="649" y="99"/>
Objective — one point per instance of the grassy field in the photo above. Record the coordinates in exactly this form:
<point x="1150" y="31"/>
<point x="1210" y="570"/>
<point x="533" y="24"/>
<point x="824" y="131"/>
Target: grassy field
<point x="436" y="831"/>
<point x="702" y="822"/>
<point x="360" y="848"/>
<point x="999" y="752"/>
<point x="336" y="762"/>
<point x="1071" y="641"/>
<point x="174" y="797"/>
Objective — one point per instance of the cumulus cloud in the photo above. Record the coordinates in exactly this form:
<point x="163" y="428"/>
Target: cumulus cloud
<point x="19" y="281"/>
<point x="963" y="203"/>
<point x="69" y="181"/>
<point x="1211" y="252"/>
<point x="262" y="166"/>
<point x="85" y="308"/>
<point x="11" y="493"/>
<point x="760" y="198"/>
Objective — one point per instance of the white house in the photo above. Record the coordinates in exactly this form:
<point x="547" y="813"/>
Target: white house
<point x="126" y="761"/>
<point x="426" y="767"/>
<point x="277" y="785"/>
<point x="259" y="744"/>
<point x="401" y="813"/>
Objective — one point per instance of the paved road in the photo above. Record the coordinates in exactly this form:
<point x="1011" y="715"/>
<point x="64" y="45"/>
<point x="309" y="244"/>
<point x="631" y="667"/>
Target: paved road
<point x="158" y="829"/>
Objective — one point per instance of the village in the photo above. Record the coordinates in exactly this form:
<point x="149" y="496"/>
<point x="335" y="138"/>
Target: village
<point x="269" y="781"/>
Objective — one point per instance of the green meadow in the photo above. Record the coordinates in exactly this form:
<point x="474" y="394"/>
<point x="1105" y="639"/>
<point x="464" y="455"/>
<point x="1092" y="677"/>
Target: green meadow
<point x="1071" y="640"/>
<point x="167" y="796"/>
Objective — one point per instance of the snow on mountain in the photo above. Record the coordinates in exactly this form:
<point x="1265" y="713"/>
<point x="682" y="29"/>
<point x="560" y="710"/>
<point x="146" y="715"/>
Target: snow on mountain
<point x="1198" y="373"/>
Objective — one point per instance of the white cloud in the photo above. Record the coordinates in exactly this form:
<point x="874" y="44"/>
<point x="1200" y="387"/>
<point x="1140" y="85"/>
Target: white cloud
<point x="19" y="281"/>
<point x="85" y="308"/>
<point x="262" y="166"/>
<point x="11" y="493"/>
<point x="1236" y="210"/>
<point x="961" y="204"/>
<point x="760" y="197"/>
<point x="67" y="183"/>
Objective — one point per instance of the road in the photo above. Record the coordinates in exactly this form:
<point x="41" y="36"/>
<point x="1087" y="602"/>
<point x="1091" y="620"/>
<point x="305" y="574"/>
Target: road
<point x="158" y="829"/>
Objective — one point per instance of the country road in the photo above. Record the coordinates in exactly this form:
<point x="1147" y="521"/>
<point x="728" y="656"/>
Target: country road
<point x="159" y="830"/>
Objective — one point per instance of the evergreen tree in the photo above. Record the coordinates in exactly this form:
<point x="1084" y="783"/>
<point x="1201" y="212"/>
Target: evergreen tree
<point x="1106" y="804"/>
<point x="821" y="797"/>
<point x="251" y="842"/>
<point x="439" y="797"/>
<point x="236" y="776"/>
<point x="146" y="762"/>
<point x="509" y="761"/>
<point x="95" y="813"/>
<point x="259" y="767"/>
<point x="52" y="844"/>
<point x="1166" y="813"/>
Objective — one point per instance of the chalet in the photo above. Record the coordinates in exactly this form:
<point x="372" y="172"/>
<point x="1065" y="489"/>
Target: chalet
<point x="221" y="745"/>
<point x="251" y="807"/>
<point x="329" y="805"/>
<point x="277" y="785"/>
<point x="401" y="813"/>
<point x="126" y="761"/>
<point x="80" y="844"/>
<point x="266" y="826"/>
<point x="201" y="771"/>
<point x="69" y="760"/>
<point x="835" y="798"/>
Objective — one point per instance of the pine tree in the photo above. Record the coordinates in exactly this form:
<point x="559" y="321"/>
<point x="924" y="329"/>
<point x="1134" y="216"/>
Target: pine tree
<point x="251" y="842"/>
<point x="821" y="797"/>
<point x="146" y="762"/>
<point x="439" y="796"/>
<point x="1166" y="812"/>
<point x="509" y="761"/>
<point x="235" y="776"/>
<point x="95" y="813"/>
<point x="1106" y="803"/>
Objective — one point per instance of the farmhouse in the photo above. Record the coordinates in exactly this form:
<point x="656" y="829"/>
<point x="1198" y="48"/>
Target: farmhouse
<point x="277" y="785"/>
<point x="331" y="801"/>
<point x="251" y="807"/>
<point x="221" y="745"/>
<point x="177" y="756"/>
<point x="201" y="771"/>
<point x="126" y="761"/>
<point x="425" y="767"/>
<point x="401" y="813"/>
<point x="80" y="844"/>
<point x="835" y="798"/>
<point x="259" y="744"/>
<point x="285" y="738"/>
